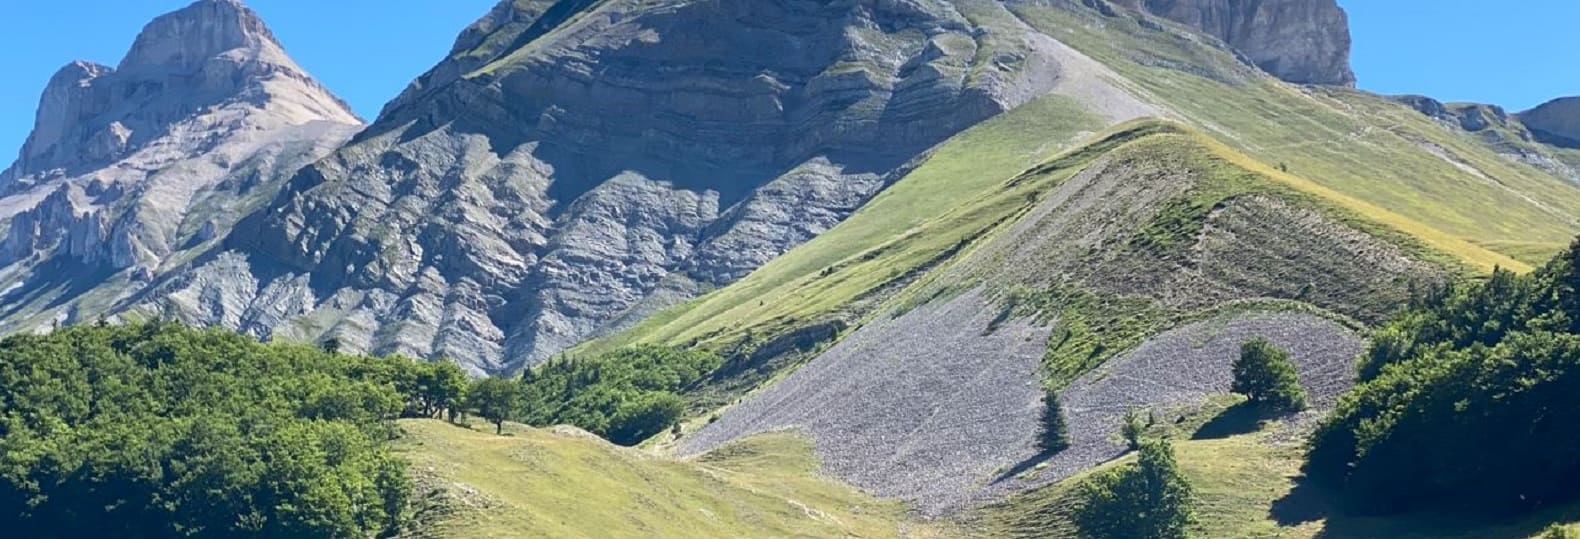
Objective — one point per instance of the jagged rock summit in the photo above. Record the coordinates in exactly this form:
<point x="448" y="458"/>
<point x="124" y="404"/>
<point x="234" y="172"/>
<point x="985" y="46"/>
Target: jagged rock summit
<point x="128" y="167"/>
<point x="1300" y="41"/>
<point x="212" y="54"/>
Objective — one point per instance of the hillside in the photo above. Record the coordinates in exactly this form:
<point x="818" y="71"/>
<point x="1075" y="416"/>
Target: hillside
<point x="1084" y="258"/>
<point x="822" y="263"/>
<point x="564" y="483"/>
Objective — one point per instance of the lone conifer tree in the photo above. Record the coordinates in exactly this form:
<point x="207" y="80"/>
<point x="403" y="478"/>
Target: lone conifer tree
<point x="1055" y="436"/>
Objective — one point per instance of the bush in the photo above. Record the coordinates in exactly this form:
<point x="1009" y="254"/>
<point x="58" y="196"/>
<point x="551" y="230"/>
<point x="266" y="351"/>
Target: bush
<point x="1055" y="432"/>
<point x="1149" y="499"/>
<point x="1268" y="379"/>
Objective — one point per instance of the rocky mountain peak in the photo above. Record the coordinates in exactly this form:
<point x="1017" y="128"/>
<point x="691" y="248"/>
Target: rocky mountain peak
<point x="204" y="57"/>
<point x="129" y="165"/>
<point x="1555" y="122"/>
<point x="186" y="39"/>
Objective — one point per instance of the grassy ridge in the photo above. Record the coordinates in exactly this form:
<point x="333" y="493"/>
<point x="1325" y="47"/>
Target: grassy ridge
<point x="1358" y="145"/>
<point x="547" y="484"/>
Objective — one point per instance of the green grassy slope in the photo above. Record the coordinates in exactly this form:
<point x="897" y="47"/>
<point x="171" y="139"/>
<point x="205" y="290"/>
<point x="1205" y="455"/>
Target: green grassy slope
<point x="540" y="483"/>
<point x="1368" y="154"/>
<point x="1247" y="487"/>
<point x="1364" y="146"/>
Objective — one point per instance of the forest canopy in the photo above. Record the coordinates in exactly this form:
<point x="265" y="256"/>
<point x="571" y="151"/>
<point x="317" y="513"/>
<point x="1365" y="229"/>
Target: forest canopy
<point x="159" y="430"/>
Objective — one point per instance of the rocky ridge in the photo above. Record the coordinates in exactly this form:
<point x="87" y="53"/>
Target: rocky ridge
<point x="1555" y="122"/>
<point x="1300" y="41"/>
<point x="573" y="165"/>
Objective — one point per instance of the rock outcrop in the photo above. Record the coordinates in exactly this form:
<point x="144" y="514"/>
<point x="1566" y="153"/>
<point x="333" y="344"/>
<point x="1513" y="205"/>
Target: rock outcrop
<point x="574" y="164"/>
<point x="1300" y="41"/>
<point x="127" y="167"/>
<point x="1555" y="122"/>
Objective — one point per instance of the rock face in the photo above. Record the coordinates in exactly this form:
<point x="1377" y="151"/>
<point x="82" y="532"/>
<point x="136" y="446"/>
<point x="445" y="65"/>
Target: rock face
<point x="575" y="164"/>
<point x="126" y="167"/>
<point x="1300" y="41"/>
<point x="1556" y="122"/>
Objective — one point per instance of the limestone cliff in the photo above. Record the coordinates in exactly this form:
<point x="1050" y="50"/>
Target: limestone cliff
<point x="1300" y="41"/>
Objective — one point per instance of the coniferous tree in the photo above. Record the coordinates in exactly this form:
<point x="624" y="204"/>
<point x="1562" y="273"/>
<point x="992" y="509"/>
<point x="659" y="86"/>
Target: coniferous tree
<point x="1055" y="435"/>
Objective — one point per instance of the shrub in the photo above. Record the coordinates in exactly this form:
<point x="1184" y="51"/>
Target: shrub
<point x="1149" y="498"/>
<point x="1268" y="379"/>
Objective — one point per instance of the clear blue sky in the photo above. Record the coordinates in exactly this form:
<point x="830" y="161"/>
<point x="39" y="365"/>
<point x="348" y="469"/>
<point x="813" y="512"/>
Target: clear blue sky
<point x="1517" y="54"/>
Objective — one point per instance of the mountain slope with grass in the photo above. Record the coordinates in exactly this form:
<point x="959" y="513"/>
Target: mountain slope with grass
<point x="1260" y="199"/>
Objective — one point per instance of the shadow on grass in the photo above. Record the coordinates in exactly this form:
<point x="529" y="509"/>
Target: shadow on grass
<point x="1311" y="503"/>
<point x="1242" y="418"/>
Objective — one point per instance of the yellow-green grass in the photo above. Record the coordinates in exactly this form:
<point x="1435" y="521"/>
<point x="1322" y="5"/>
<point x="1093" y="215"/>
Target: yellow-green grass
<point x="1247" y="486"/>
<point x="542" y="483"/>
<point x="1360" y="145"/>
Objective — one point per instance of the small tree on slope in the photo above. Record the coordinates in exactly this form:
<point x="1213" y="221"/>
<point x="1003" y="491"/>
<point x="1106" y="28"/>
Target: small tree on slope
<point x="496" y="399"/>
<point x="1055" y="435"/>
<point x="1149" y="499"/>
<point x="1266" y="376"/>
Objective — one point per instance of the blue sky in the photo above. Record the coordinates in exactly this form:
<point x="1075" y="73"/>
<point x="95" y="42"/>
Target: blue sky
<point x="1517" y="54"/>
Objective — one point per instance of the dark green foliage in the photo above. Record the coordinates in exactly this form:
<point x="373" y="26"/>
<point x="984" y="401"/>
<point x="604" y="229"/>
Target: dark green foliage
<point x="157" y="430"/>
<point x="1468" y="402"/>
<point x="1149" y="499"/>
<point x="1055" y="434"/>
<point x="1132" y="427"/>
<point x="1267" y="378"/>
<point x="437" y="388"/>
<point x="496" y="399"/>
<point x="625" y="396"/>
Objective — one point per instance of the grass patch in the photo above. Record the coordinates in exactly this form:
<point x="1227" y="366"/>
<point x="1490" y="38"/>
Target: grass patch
<point x="549" y="484"/>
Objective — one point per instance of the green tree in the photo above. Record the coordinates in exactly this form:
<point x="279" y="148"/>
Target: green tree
<point x="441" y="386"/>
<point x="625" y="396"/>
<point x="647" y="414"/>
<point x="1148" y="499"/>
<point x="496" y="400"/>
<point x="1055" y="429"/>
<point x="1267" y="377"/>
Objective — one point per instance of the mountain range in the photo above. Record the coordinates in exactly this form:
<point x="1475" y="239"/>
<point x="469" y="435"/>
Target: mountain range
<point x="896" y="220"/>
